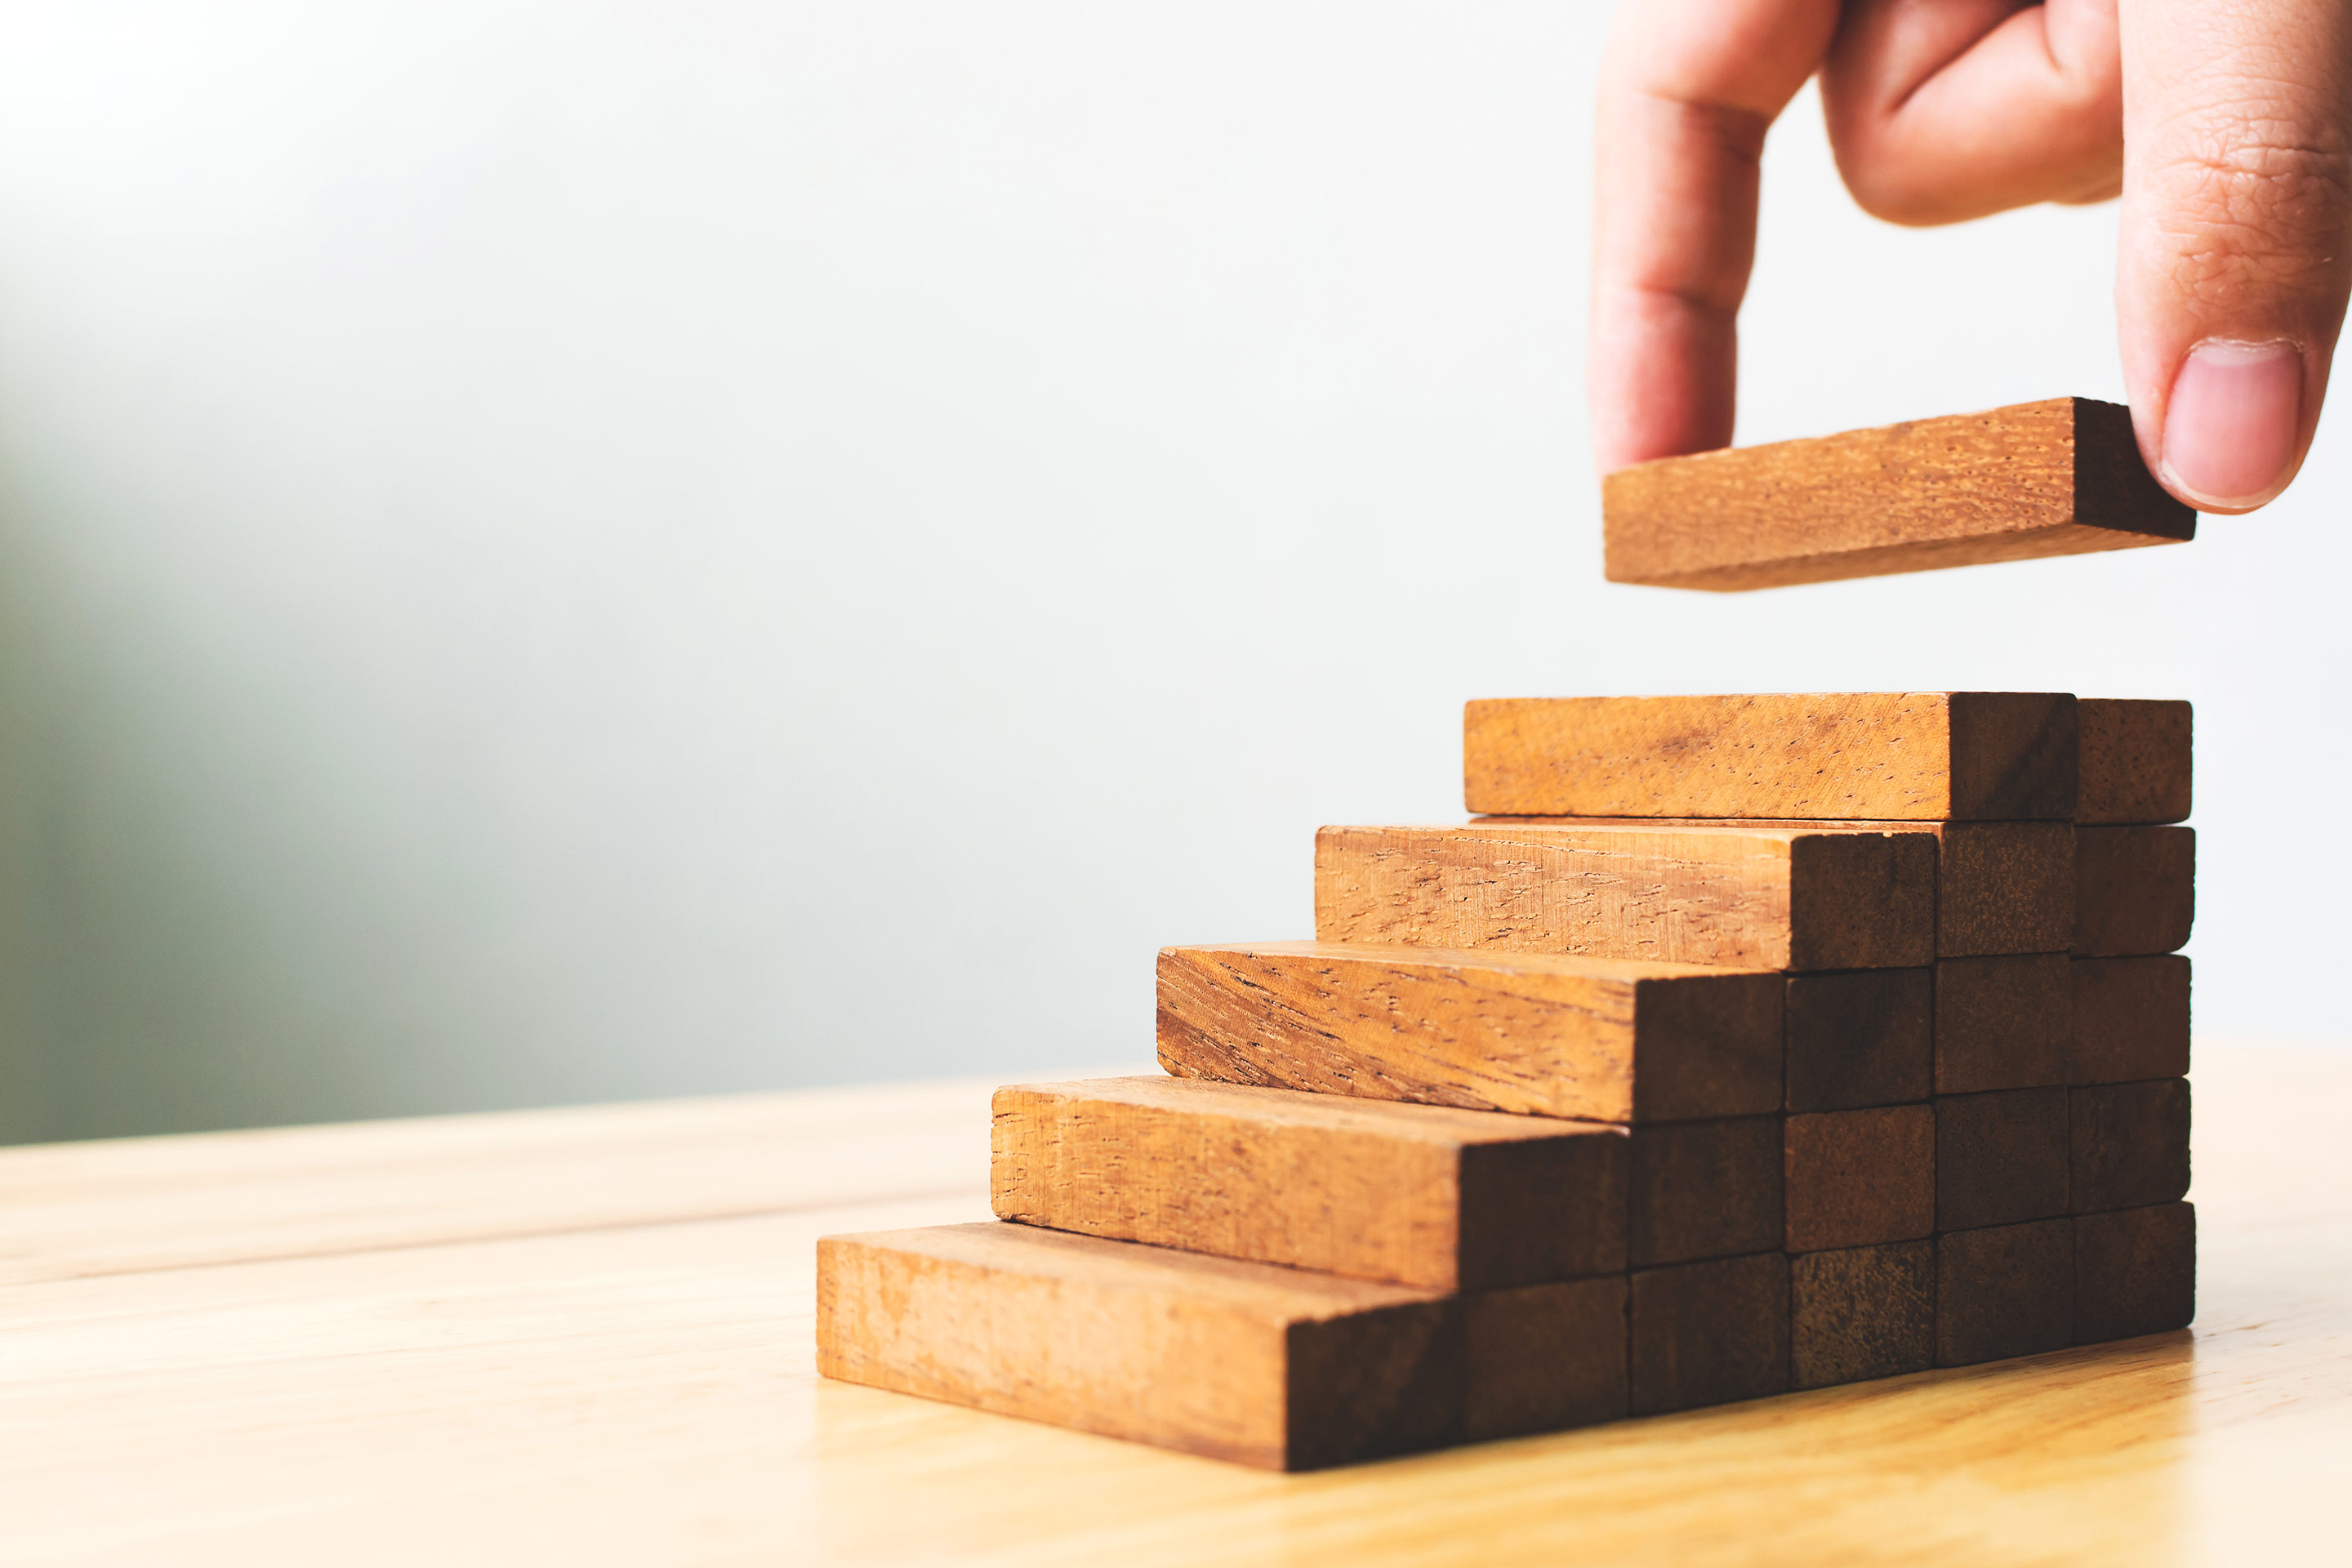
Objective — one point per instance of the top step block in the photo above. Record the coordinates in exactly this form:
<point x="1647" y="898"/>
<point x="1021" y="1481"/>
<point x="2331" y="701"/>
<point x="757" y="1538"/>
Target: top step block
<point x="2062" y="477"/>
<point x="1911" y="756"/>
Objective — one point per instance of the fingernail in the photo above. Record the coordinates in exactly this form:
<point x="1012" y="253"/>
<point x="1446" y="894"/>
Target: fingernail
<point x="2230" y="430"/>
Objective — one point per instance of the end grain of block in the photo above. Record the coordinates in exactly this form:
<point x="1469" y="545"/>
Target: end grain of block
<point x="2131" y="1019"/>
<point x="2000" y="1158"/>
<point x="2134" y="761"/>
<point x="2134" y="1272"/>
<point x="1863" y="1312"/>
<point x="2134" y="889"/>
<point x="1543" y="1357"/>
<point x="2004" y="1291"/>
<point x="1866" y="1037"/>
<point x="1268" y="1366"/>
<point x="1603" y="1039"/>
<point x="1919" y="756"/>
<point x="1857" y="1178"/>
<point x="1707" y="1334"/>
<point x="2002" y="1023"/>
<point x="2130" y="1144"/>
<point x="1705" y="1189"/>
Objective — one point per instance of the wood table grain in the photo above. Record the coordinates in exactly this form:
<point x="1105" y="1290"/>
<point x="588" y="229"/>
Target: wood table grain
<point x="584" y="1337"/>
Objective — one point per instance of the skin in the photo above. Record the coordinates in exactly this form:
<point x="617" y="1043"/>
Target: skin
<point x="2224" y="125"/>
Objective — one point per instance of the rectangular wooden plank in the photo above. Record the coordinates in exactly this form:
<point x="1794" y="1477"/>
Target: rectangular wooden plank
<point x="1862" y="1313"/>
<point x="1705" y="1189"/>
<point x="1790" y="899"/>
<point x="2059" y="476"/>
<point x="2134" y="1272"/>
<point x="1904" y="756"/>
<point x="2129" y="1144"/>
<point x="1858" y="1178"/>
<point x="2000" y="1158"/>
<point x="1866" y="1037"/>
<point x="2002" y="1023"/>
<point x="2131" y="1019"/>
<point x="2134" y="889"/>
<point x="1602" y="1039"/>
<point x="1707" y="1334"/>
<point x="1543" y="1357"/>
<point x="2136" y="760"/>
<point x="2005" y="1290"/>
<point x="1415" y="1195"/>
<point x="1268" y="1366"/>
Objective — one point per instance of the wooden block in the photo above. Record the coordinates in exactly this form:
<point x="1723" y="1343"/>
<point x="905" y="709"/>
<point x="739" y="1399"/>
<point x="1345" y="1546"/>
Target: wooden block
<point x="2134" y="889"/>
<point x="2130" y="1144"/>
<point x="1417" y="1195"/>
<point x="1782" y="897"/>
<point x="2136" y="760"/>
<point x="2004" y="1291"/>
<point x="1705" y="1189"/>
<point x="1905" y="756"/>
<point x="1857" y="1178"/>
<point x="1543" y="1357"/>
<point x="1863" y="1312"/>
<point x="1269" y="1366"/>
<point x="1707" y="1333"/>
<point x="2000" y="1158"/>
<point x="2059" y="476"/>
<point x="2131" y="1019"/>
<point x="1605" y="1039"/>
<point x="1866" y="1037"/>
<point x="2002" y="1023"/>
<point x="2134" y="1272"/>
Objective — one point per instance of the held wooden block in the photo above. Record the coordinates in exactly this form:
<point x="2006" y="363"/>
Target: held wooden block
<point x="2130" y="1144"/>
<point x="2002" y="1023"/>
<point x="1543" y="1357"/>
<point x="1863" y="1312"/>
<point x="1749" y="898"/>
<point x="2136" y="760"/>
<point x="1606" y="1039"/>
<point x="2134" y="889"/>
<point x="2004" y="1291"/>
<point x="1269" y="1366"/>
<point x="1707" y="1333"/>
<point x="1705" y="1189"/>
<point x="1417" y="1195"/>
<point x="1911" y="756"/>
<point x="1864" y="1038"/>
<point x="2131" y="1019"/>
<point x="1857" y="1178"/>
<point x="2134" y="1272"/>
<point x="2059" y="476"/>
<point x="2000" y="1158"/>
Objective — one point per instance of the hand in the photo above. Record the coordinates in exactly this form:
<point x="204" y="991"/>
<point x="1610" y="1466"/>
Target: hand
<point x="2226" y="125"/>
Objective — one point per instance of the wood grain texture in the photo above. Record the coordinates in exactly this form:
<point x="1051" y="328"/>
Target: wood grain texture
<point x="1747" y="898"/>
<point x="2061" y="477"/>
<point x="2000" y="1158"/>
<point x="1544" y="1358"/>
<point x="2131" y="1019"/>
<point x="2002" y="1023"/>
<point x="1866" y="1037"/>
<point x="1273" y="1367"/>
<point x="1705" y="1189"/>
<point x="2134" y="889"/>
<point x="1862" y="1312"/>
<point x="1602" y="1039"/>
<point x="2136" y="760"/>
<point x="2134" y="1272"/>
<point x="1858" y="1178"/>
<point x="2007" y="1290"/>
<point x="1912" y="756"/>
<point x="2129" y="1144"/>
<point x="1413" y="1194"/>
<point x="1707" y="1334"/>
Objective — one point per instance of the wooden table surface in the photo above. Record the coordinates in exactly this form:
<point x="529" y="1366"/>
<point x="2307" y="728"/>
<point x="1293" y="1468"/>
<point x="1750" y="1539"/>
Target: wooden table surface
<point x="584" y="1336"/>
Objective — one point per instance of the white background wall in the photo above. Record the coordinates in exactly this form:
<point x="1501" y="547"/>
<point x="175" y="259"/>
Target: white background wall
<point x="554" y="552"/>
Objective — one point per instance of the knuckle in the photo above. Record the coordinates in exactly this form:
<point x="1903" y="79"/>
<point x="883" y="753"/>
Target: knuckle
<point x="2255" y="212"/>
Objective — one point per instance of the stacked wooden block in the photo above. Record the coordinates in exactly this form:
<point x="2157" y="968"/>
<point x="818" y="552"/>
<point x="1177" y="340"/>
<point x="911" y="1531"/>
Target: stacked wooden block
<point x="1737" y="1044"/>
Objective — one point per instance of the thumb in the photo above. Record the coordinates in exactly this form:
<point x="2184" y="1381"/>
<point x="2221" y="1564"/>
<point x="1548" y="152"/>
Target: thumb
<point x="2236" y="247"/>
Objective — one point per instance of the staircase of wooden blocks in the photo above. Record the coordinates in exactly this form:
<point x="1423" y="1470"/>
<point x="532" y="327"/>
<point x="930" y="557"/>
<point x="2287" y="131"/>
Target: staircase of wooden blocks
<point x="1737" y="1045"/>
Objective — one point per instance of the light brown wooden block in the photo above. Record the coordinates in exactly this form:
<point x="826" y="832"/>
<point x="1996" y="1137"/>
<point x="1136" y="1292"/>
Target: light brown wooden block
<point x="1857" y="1178"/>
<point x="1778" y="897"/>
<point x="2134" y="1272"/>
<point x="2131" y="1019"/>
<point x="2061" y="477"/>
<point x="2002" y="1023"/>
<point x="1270" y="1367"/>
<point x="1705" y="1189"/>
<point x="1604" y="1040"/>
<point x="2134" y="889"/>
<point x="1905" y="756"/>
<point x="2003" y="1292"/>
<point x="1866" y="1037"/>
<point x="1862" y="1313"/>
<point x="1417" y="1195"/>
<point x="1707" y="1334"/>
<point x="1544" y="1357"/>
<point x="2136" y="760"/>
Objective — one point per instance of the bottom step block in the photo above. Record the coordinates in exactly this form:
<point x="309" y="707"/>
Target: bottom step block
<point x="1270" y="1367"/>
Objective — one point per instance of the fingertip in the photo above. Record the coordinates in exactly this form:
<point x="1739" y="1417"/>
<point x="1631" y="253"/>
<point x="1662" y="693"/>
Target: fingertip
<point x="2232" y="433"/>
